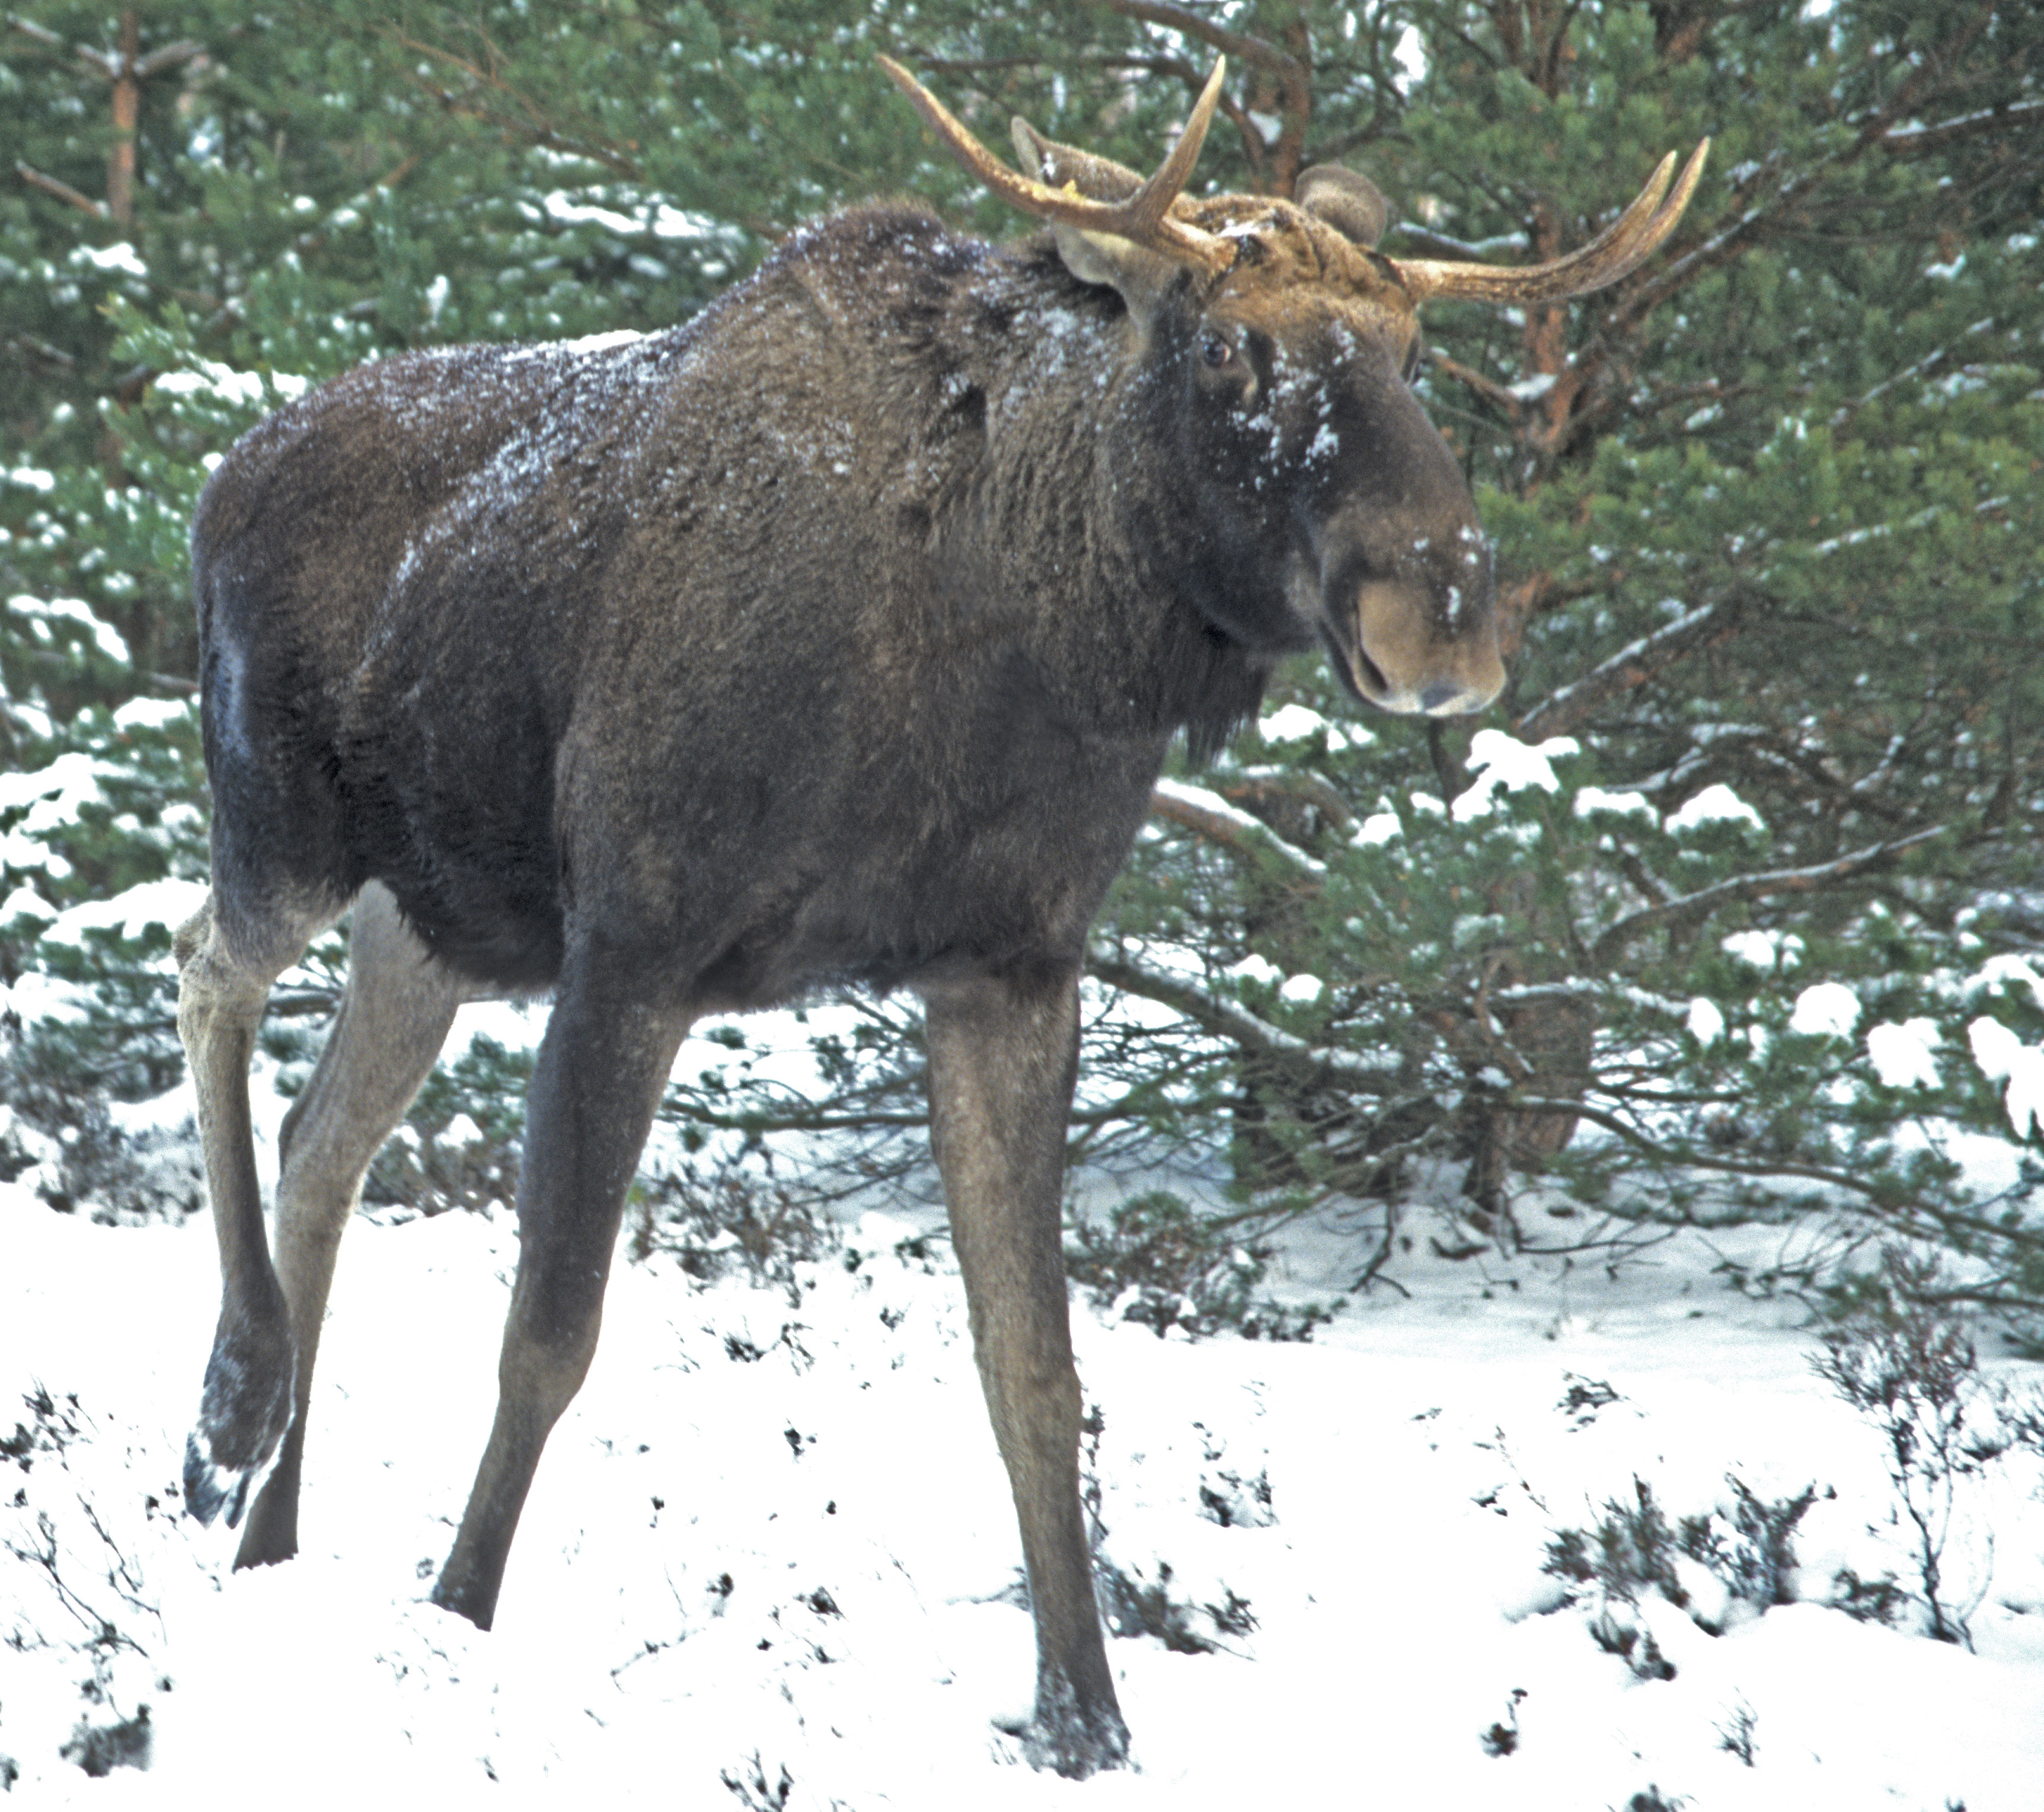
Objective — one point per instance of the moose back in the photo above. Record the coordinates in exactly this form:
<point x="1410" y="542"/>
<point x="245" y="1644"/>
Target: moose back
<point x="836" y="638"/>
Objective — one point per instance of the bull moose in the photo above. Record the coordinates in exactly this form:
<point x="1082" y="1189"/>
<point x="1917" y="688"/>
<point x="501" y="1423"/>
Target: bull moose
<point x="836" y="638"/>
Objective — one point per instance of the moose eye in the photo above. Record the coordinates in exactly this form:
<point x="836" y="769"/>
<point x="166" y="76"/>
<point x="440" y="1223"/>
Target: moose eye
<point x="1215" y="352"/>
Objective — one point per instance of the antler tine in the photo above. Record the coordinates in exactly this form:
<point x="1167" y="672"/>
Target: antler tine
<point x="1615" y="252"/>
<point x="1151" y="202"/>
<point x="1145" y="218"/>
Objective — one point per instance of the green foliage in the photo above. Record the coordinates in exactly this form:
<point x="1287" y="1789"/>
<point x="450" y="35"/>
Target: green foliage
<point x="1755" y="925"/>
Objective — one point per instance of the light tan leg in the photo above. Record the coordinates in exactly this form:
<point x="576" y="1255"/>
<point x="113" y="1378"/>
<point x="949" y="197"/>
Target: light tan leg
<point x="246" y="1404"/>
<point x="1003" y="1058"/>
<point x="394" y="1018"/>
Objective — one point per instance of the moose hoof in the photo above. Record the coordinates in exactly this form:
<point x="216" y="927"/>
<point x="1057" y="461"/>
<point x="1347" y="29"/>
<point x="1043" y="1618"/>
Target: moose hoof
<point x="243" y="1414"/>
<point x="212" y="1488"/>
<point x="1075" y="1741"/>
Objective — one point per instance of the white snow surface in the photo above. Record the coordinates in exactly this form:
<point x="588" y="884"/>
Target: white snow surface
<point x="1715" y="804"/>
<point x="1826" y="1010"/>
<point x="1502" y="760"/>
<point x="1291" y="723"/>
<point x="2002" y="1057"/>
<point x="805" y="1561"/>
<point x="1901" y="1054"/>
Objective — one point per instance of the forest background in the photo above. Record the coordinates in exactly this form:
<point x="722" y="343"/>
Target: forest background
<point x="1729" y="908"/>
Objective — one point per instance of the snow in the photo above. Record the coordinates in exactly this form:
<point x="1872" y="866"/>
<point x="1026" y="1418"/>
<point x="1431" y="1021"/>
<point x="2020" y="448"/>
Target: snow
<point x="168" y="903"/>
<point x="1901" y="1054"/>
<point x="1706" y="1022"/>
<point x="247" y="389"/>
<point x="1302" y="990"/>
<point x="1765" y="951"/>
<point x="120" y="256"/>
<point x="460" y="1131"/>
<point x="1715" y="804"/>
<point x="1589" y="799"/>
<point x="24" y="902"/>
<point x="1291" y="723"/>
<point x="2003" y="1057"/>
<point x="1502" y="760"/>
<point x="1827" y="1010"/>
<point x="1257" y="971"/>
<point x="104" y="637"/>
<point x="804" y="1562"/>
<point x="153" y="714"/>
<point x="2008" y="969"/>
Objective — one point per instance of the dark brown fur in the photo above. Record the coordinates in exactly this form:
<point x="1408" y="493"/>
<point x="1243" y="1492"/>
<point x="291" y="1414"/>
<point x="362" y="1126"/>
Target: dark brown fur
<point x="836" y="638"/>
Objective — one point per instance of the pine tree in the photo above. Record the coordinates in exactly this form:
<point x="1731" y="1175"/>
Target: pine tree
<point x="1757" y="819"/>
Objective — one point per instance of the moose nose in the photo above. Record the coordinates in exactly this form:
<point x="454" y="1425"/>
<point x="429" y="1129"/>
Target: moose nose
<point x="1407" y="661"/>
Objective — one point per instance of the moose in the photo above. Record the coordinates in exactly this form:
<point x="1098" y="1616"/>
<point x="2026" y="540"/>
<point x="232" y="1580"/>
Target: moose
<point x="833" y="639"/>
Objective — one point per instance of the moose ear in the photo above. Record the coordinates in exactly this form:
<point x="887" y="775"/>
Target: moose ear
<point x="1135" y="271"/>
<point x="1097" y="179"/>
<point x="1350" y="203"/>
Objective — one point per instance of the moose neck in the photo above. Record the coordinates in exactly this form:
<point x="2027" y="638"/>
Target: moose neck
<point x="1059" y="530"/>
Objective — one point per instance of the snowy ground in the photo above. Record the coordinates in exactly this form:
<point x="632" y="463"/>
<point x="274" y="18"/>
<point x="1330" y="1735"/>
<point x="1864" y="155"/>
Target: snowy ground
<point x="788" y="1580"/>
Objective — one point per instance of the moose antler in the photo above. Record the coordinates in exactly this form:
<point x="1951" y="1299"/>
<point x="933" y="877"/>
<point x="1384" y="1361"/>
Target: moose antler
<point x="1620" y="248"/>
<point x="1144" y="219"/>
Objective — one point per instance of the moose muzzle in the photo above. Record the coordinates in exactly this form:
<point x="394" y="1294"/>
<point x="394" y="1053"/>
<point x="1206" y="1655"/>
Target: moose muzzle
<point x="1415" y="657"/>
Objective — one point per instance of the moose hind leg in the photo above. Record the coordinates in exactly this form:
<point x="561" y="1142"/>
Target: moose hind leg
<point x="245" y="1407"/>
<point x="394" y="1018"/>
<point x="601" y="1069"/>
<point x="1003" y="1058"/>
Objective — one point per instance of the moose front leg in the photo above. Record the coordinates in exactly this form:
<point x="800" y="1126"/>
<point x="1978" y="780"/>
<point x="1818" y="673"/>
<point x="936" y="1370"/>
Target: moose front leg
<point x="602" y="1065"/>
<point x="1003" y="1058"/>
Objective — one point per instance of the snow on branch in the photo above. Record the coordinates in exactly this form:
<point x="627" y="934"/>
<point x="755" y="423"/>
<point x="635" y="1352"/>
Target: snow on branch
<point x="1214" y="818"/>
<point x="1616" y="936"/>
<point x="1229" y="1019"/>
<point x="1633" y="665"/>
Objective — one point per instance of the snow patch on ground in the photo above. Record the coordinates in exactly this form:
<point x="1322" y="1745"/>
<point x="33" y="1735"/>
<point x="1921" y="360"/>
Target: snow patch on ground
<point x="773" y="1533"/>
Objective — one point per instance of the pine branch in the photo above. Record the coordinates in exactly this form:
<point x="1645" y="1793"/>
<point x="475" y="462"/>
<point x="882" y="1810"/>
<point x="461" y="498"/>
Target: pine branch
<point x="1613" y="938"/>
<point x="2013" y="117"/>
<point x="1214" y="818"/>
<point x="1294" y="80"/>
<point x="1227" y="1019"/>
<point x="1632" y="666"/>
<point x="62" y="191"/>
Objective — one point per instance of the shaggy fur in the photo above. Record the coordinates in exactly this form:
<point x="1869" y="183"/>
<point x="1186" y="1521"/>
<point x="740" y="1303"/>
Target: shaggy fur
<point x="836" y="638"/>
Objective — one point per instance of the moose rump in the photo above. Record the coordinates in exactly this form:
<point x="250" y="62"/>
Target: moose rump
<point x="834" y="638"/>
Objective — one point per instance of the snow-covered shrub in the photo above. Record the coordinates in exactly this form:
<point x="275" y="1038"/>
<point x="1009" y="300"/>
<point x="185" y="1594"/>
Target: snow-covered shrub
<point x="76" y="1584"/>
<point x="713" y="1218"/>
<point x="1158" y="1262"/>
<point x="1905" y="1358"/>
<point x="1140" y="1601"/>
<point x="1705" y="1565"/>
<point x="461" y="1141"/>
